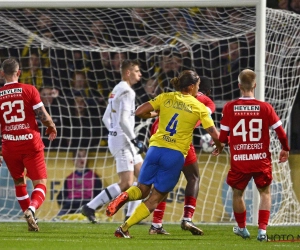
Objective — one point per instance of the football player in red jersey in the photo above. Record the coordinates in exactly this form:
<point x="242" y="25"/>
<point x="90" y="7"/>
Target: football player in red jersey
<point x="248" y="120"/>
<point x="22" y="146"/>
<point x="191" y="172"/>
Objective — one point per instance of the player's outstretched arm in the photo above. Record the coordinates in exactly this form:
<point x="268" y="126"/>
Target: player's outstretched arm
<point x="284" y="153"/>
<point x="145" y="111"/>
<point x="45" y="118"/>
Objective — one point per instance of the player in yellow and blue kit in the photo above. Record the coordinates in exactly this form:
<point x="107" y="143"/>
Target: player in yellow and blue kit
<point x="178" y="113"/>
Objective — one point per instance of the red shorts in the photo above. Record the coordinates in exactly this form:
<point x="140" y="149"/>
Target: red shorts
<point x="34" y="164"/>
<point x="240" y="180"/>
<point x="191" y="156"/>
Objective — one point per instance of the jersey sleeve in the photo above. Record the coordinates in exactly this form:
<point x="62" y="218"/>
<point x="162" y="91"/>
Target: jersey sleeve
<point x="125" y="101"/>
<point x="106" y="117"/>
<point x="274" y="120"/>
<point x="224" y="123"/>
<point x="155" y="102"/>
<point x="205" y="117"/>
<point x="276" y="124"/>
<point x="210" y="105"/>
<point x="207" y="102"/>
<point x="35" y="98"/>
<point x="126" y="125"/>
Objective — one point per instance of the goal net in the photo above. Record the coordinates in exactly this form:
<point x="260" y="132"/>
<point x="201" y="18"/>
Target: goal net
<point x="73" y="57"/>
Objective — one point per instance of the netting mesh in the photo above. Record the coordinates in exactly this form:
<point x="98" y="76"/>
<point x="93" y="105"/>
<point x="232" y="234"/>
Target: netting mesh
<point x="73" y="57"/>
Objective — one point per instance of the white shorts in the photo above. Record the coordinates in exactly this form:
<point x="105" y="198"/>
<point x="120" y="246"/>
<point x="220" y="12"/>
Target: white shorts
<point x="126" y="156"/>
<point x="125" y="160"/>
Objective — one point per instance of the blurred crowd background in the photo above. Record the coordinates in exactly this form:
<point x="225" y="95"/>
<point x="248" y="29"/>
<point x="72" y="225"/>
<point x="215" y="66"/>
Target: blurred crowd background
<point x="75" y="81"/>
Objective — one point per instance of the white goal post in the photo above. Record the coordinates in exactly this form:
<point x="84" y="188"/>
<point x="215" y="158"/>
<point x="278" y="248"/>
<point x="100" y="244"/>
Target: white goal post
<point x="213" y="196"/>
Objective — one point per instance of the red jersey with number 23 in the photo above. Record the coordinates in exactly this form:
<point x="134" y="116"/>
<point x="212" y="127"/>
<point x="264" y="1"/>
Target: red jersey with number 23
<point x="248" y="120"/>
<point x="19" y="128"/>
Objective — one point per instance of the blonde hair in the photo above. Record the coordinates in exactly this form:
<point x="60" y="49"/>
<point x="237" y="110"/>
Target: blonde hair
<point x="10" y="66"/>
<point x="247" y="79"/>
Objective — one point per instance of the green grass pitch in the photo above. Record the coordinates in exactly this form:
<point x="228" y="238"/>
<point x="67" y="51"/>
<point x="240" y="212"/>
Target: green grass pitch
<point x="78" y="235"/>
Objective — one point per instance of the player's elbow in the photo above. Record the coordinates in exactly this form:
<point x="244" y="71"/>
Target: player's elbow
<point x="138" y="112"/>
<point x="141" y="115"/>
<point x="122" y="124"/>
<point x="144" y="111"/>
<point x="104" y="120"/>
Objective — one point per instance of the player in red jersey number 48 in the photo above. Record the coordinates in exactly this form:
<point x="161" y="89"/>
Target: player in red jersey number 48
<point x="248" y="121"/>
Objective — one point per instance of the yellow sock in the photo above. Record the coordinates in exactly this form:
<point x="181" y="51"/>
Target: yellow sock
<point x="140" y="213"/>
<point x="134" y="193"/>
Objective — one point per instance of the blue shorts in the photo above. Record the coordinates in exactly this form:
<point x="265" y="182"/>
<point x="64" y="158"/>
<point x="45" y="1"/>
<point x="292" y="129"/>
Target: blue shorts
<point x="162" y="168"/>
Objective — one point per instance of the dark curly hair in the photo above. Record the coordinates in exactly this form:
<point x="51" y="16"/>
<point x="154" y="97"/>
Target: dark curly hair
<point x="185" y="79"/>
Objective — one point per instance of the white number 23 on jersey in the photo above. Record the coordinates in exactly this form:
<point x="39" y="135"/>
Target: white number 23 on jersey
<point x="18" y="106"/>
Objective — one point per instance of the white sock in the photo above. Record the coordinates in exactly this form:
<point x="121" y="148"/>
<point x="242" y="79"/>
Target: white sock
<point x="32" y="209"/>
<point x="106" y="195"/>
<point x="157" y="225"/>
<point x="262" y="231"/>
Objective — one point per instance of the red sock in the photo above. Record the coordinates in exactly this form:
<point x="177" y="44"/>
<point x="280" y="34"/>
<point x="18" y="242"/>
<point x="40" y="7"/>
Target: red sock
<point x="38" y="196"/>
<point x="22" y="196"/>
<point x="189" y="206"/>
<point x="240" y="219"/>
<point x="158" y="213"/>
<point x="263" y="219"/>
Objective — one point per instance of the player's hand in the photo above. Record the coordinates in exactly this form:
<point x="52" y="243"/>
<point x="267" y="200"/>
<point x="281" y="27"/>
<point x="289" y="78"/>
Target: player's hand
<point x="52" y="132"/>
<point x="140" y="147"/>
<point x="154" y="114"/>
<point x="283" y="156"/>
<point x="218" y="149"/>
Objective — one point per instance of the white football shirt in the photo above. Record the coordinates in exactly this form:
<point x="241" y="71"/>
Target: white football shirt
<point x="121" y="100"/>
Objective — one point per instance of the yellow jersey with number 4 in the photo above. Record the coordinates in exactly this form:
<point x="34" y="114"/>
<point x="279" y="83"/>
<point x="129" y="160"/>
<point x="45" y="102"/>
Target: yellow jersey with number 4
<point x="178" y="115"/>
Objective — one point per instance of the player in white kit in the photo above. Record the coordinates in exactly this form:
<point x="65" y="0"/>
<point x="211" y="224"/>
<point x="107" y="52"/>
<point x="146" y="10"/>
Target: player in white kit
<point x="119" y="119"/>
